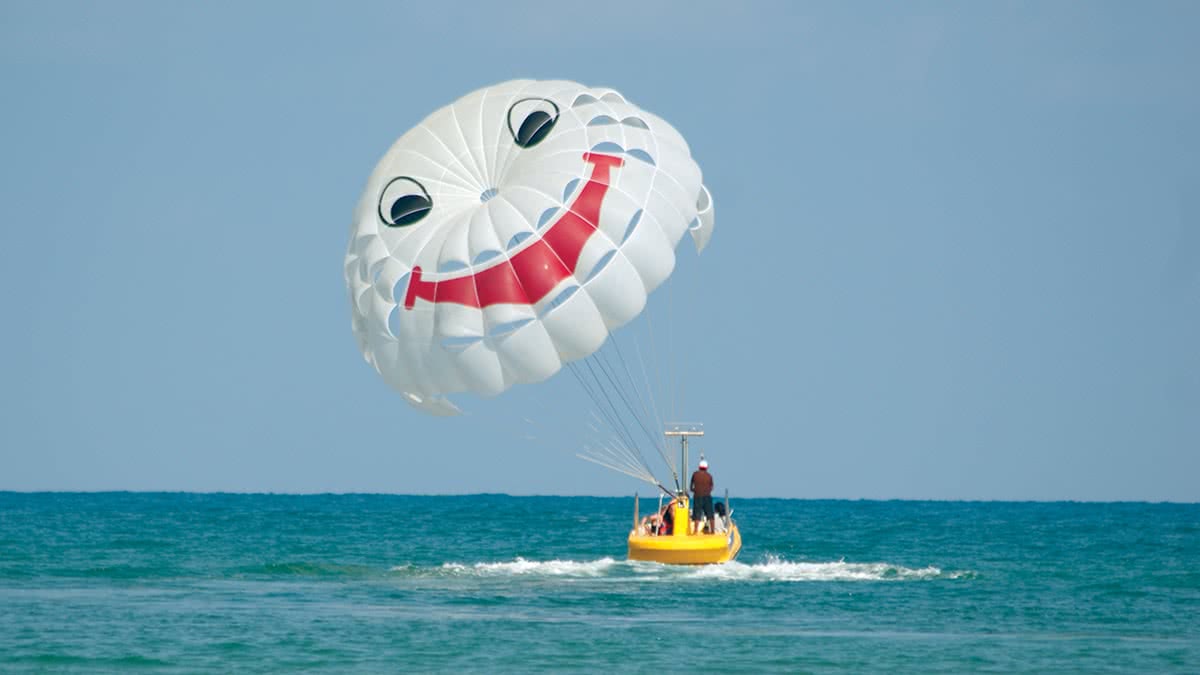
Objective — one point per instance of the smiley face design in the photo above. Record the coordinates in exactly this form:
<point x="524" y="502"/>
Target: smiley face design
<point x="510" y="231"/>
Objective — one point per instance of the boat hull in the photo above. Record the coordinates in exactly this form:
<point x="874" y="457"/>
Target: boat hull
<point x="696" y="549"/>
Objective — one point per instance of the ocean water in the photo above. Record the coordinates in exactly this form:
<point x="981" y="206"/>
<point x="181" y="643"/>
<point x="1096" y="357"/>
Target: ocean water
<point x="119" y="582"/>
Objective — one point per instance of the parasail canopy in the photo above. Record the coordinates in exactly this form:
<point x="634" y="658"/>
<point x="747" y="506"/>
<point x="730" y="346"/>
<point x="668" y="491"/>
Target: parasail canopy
<point x="511" y="231"/>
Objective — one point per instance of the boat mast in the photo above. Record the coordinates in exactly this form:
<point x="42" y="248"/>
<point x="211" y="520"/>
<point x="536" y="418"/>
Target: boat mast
<point x="684" y="430"/>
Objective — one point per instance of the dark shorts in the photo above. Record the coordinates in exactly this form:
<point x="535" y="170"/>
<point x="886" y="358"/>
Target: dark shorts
<point x="702" y="505"/>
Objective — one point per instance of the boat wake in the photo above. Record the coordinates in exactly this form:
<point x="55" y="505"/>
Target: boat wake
<point x="523" y="567"/>
<point x="777" y="569"/>
<point x="771" y="569"/>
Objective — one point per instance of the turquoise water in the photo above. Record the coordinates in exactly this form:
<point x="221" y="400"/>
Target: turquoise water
<point x="491" y="583"/>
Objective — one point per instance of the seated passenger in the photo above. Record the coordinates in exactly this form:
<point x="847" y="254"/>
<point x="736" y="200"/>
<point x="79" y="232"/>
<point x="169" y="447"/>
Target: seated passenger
<point x="719" y="519"/>
<point x="651" y="524"/>
<point x="668" y="518"/>
<point x="719" y="525"/>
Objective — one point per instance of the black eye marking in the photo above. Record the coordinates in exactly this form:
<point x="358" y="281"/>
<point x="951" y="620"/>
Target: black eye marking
<point x="537" y="117"/>
<point x="403" y="202"/>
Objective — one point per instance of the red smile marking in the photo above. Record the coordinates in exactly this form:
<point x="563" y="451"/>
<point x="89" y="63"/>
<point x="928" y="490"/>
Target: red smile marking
<point x="530" y="275"/>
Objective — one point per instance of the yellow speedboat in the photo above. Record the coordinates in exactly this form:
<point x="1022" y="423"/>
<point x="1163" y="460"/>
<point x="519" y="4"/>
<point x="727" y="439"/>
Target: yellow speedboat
<point x="670" y="537"/>
<point x="680" y="546"/>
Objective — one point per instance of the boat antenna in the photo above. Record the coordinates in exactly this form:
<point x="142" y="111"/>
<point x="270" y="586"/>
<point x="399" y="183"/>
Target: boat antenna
<point x="684" y="430"/>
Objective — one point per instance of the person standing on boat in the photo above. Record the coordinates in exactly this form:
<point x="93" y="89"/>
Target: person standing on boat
<point x="702" y="503"/>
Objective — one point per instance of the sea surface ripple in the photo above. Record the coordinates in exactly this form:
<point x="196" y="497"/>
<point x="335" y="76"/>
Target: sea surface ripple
<point x="177" y="582"/>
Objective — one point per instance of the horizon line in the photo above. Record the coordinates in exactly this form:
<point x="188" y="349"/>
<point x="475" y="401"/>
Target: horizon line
<point x="6" y="491"/>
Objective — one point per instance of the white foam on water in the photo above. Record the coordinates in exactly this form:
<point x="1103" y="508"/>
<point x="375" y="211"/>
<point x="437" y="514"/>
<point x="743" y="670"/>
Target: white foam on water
<point x="521" y="566"/>
<point x="776" y="569"/>
<point x="772" y="568"/>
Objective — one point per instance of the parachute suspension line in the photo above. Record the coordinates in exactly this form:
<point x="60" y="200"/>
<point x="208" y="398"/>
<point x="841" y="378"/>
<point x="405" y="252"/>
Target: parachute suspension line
<point x="614" y="457"/>
<point x="661" y="383"/>
<point x="681" y="373"/>
<point x="654" y="352"/>
<point x="618" y="455"/>
<point x="615" y="394"/>
<point x="671" y="382"/>
<point x="656" y="440"/>
<point x="619" y="469"/>
<point x="628" y="437"/>
<point x="662" y="448"/>
<point x="588" y="390"/>
<point x="607" y="369"/>
<point x="604" y="404"/>
<point x="609" y="420"/>
<point x="618" y="447"/>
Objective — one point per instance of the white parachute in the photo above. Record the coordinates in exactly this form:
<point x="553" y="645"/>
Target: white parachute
<point x="510" y="231"/>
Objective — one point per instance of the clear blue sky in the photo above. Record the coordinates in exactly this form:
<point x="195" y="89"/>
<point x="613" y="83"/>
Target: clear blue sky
<point x="957" y="252"/>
